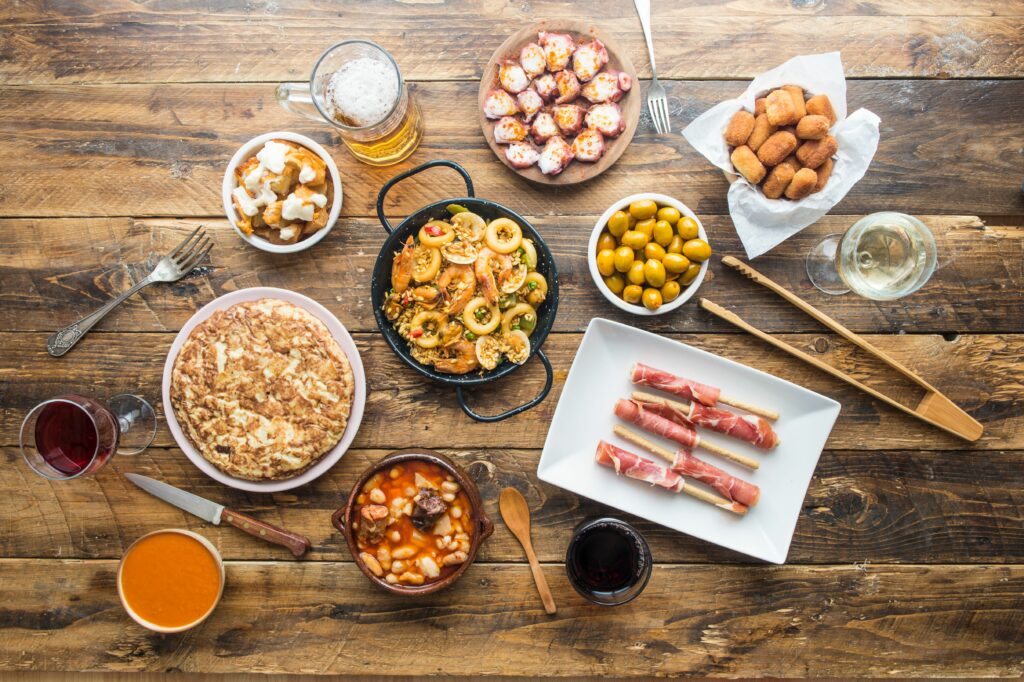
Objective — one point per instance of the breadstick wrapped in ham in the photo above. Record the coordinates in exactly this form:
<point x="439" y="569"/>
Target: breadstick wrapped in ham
<point x="634" y="466"/>
<point x="732" y="488"/>
<point x="640" y="468"/>
<point x="658" y="420"/>
<point x="670" y="383"/>
<point x="754" y="430"/>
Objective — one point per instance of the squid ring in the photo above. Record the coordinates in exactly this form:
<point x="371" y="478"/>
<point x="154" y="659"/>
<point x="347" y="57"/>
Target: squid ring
<point x="503" y="236"/>
<point x="436" y="233"/>
<point x="429" y="324"/>
<point x="520" y="310"/>
<point x="481" y="327"/>
<point x="427" y="264"/>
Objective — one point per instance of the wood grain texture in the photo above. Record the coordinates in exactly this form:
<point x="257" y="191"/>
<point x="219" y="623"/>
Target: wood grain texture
<point x="57" y="270"/>
<point x="145" y="150"/>
<point x="403" y="410"/>
<point x="134" y="42"/>
<point x="702" y="620"/>
<point x="877" y="507"/>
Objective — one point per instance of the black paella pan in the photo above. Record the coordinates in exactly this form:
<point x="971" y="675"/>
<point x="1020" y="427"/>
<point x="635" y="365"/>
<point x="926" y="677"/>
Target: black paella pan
<point x="381" y="283"/>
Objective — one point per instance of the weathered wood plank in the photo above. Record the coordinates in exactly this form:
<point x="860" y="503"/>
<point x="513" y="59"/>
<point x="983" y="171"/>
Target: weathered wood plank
<point x="148" y="150"/>
<point x="405" y="411"/>
<point x="703" y="620"/>
<point x="862" y="507"/>
<point x="55" y="272"/>
<point x="148" y="45"/>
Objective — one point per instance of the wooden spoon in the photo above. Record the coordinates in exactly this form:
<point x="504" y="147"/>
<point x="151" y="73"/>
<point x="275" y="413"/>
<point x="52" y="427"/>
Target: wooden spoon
<point x="517" y="517"/>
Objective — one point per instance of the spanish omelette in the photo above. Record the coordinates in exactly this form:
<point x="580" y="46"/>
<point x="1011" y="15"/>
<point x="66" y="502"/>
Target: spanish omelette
<point x="262" y="389"/>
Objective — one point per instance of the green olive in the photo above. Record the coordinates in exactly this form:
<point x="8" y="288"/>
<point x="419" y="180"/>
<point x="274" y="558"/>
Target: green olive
<point x="676" y="262"/>
<point x="606" y="262"/>
<point x="670" y="291"/>
<point x="618" y="223"/>
<point x="635" y="240"/>
<point x="687" y="228"/>
<point x="654" y="273"/>
<point x="690" y="274"/>
<point x="645" y="226"/>
<point x="697" y="250"/>
<point x="616" y="283"/>
<point x="636" y="274"/>
<point x="676" y="245"/>
<point x="654" y="250"/>
<point x="643" y="209"/>
<point x="652" y="299"/>
<point x="606" y="241"/>
<point x="623" y="258"/>
<point x="663" y="232"/>
<point x="632" y="293"/>
<point x="669" y="214"/>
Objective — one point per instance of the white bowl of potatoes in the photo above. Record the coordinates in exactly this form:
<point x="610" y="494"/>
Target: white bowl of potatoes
<point x="282" y="192"/>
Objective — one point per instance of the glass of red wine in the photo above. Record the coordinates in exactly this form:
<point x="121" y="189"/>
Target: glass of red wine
<point x="608" y="561"/>
<point x="73" y="435"/>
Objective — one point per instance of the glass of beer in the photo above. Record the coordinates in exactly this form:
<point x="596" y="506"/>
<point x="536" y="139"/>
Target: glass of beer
<point x="883" y="256"/>
<point x="356" y="87"/>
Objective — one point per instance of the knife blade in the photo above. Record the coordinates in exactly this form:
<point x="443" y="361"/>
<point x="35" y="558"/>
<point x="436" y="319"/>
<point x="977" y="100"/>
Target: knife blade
<point x="215" y="513"/>
<point x="193" y="504"/>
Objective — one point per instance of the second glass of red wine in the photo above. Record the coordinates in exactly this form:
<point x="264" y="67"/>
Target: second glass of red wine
<point x="72" y="435"/>
<point x="608" y="561"/>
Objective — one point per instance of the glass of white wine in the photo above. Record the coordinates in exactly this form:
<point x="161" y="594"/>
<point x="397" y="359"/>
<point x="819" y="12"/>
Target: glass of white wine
<point x="883" y="256"/>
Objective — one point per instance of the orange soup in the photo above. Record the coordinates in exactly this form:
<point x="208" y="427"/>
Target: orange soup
<point x="170" y="579"/>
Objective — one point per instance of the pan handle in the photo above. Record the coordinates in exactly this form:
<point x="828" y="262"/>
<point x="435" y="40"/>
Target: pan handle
<point x="413" y="171"/>
<point x="515" y="410"/>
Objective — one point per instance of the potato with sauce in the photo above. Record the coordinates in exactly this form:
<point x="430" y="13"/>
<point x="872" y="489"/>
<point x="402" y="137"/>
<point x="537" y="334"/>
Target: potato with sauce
<point x="648" y="253"/>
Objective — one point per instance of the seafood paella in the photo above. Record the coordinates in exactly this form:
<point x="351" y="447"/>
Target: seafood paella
<point x="465" y="293"/>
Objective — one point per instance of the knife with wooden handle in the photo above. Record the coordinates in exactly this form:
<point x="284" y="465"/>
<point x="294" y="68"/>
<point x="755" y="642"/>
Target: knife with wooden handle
<point x="216" y="513"/>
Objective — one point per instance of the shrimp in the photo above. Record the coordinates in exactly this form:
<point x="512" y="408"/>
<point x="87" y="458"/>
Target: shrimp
<point x="461" y="358"/>
<point x="458" y="285"/>
<point x="402" y="267"/>
<point x="484" y="268"/>
<point x="452" y="333"/>
<point x="426" y="295"/>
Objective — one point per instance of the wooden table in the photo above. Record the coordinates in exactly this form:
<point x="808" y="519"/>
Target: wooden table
<point x="117" y="120"/>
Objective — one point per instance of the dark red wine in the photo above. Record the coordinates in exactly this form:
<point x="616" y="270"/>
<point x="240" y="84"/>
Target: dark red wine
<point x="68" y="440"/>
<point x="608" y="561"/>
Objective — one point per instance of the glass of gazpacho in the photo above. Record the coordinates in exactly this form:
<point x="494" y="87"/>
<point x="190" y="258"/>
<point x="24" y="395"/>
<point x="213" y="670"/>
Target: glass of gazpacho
<point x="170" y="580"/>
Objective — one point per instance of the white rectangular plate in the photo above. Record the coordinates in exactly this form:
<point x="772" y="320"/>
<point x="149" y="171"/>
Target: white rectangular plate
<point x="600" y="375"/>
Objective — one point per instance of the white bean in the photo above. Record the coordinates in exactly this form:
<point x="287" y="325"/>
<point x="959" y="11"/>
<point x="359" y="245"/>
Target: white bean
<point x="372" y="483"/>
<point x="448" y="497"/>
<point x="377" y="496"/>
<point x="429" y="567"/>
<point x="411" y="578"/>
<point x="383" y="553"/>
<point x="450" y="486"/>
<point x="464" y="545"/>
<point x="407" y="510"/>
<point x="455" y="558"/>
<point x="456" y="512"/>
<point x="397" y="566"/>
<point x="409" y="491"/>
<point x="404" y="552"/>
<point x="371" y="563"/>
<point x="391" y="578"/>
<point x="395" y="472"/>
<point x="395" y="536"/>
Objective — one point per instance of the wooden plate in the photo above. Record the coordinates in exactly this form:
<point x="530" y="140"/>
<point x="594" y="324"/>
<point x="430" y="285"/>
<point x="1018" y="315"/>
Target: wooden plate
<point x="578" y="171"/>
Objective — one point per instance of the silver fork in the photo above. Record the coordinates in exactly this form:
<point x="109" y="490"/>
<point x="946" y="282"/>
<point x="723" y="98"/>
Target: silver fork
<point x="657" y="103"/>
<point x="171" y="268"/>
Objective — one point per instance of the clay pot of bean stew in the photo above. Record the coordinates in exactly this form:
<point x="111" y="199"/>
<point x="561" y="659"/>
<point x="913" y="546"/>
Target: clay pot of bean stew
<point x="344" y="518"/>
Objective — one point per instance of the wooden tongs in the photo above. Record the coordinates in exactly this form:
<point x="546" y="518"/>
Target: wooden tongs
<point x="934" y="408"/>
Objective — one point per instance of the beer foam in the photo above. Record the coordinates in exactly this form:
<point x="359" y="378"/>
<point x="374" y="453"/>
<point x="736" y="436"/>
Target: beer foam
<point x="363" y="91"/>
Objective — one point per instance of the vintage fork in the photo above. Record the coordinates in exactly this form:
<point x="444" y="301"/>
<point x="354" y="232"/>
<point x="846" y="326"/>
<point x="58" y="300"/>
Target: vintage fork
<point x="657" y="103"/>
<point x="171" y="268"/>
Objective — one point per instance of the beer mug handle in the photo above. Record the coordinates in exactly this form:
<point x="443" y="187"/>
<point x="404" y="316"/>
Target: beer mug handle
<point x="296" y="98"/>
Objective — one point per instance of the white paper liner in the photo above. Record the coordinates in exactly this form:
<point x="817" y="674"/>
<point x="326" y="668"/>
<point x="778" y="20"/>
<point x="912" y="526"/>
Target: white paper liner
<point x="763" y="223"/>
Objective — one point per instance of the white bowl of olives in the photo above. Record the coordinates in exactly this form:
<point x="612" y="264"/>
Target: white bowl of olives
<point x="648" y="254"/>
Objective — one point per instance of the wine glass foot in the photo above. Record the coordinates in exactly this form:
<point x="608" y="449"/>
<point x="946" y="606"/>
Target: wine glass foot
<point x="137" y="420"/>
<point x="821" y="266"/>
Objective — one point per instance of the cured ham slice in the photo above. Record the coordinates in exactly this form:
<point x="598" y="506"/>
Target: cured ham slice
<point x="632" y="465"/>
<point x="731" y="487"/>
<point x="745" y="427"/>
<point x="676" y="385"/>
<point x="655" y="418"/>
